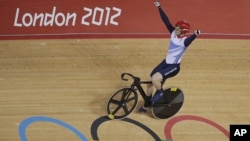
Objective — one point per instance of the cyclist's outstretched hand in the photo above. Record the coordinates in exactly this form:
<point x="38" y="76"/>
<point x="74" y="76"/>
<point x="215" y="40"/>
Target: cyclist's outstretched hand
<point x="197" y="32"/>
<point x="157" y="3"/>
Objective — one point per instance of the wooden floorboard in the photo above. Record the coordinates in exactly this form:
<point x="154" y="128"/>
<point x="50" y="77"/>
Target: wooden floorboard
<point x="71" y="80"/>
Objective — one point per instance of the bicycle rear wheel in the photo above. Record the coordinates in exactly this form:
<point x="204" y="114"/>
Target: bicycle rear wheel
<point x="169" y="104"/>
<point x="122" y="103"/>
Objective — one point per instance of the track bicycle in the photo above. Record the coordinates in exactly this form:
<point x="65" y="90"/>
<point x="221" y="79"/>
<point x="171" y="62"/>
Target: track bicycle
<point x="124" y="101"/>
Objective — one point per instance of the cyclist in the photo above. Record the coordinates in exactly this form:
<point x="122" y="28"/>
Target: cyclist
<point x="170" y="66"/>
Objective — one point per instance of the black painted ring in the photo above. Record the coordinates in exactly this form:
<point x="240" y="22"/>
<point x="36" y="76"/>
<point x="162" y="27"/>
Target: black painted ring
<point x="99" y="121"/>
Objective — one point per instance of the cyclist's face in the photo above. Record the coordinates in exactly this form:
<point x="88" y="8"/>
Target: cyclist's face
<point x="177" y="30"/>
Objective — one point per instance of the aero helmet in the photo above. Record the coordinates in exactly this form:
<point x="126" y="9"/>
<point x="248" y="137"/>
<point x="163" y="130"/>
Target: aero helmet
<point x="185" y="27"/>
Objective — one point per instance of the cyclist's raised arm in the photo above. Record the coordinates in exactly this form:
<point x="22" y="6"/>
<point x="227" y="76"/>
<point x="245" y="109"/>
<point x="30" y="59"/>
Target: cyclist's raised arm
<point x="164" y="17"/>
<point x="191" y="38"/>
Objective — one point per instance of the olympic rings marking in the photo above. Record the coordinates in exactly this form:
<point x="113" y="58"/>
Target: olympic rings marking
<point x="28" y="121"/>
<point x="174" y="120"/>
<point x="94" y="127"/>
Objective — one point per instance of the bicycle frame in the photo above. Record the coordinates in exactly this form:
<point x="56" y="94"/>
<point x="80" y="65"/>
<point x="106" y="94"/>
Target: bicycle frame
<point x="121" y="104"/>
<point x="137" y="84"/>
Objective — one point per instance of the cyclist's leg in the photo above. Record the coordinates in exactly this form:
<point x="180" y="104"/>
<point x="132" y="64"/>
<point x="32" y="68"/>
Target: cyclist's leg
<point x="149" y="93"/>
<point x="156" y="76"/>
<point x="159" y="79"/>
<point x="150" y="88"/>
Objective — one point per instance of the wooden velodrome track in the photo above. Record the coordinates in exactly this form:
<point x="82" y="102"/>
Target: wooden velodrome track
<point x="70" y="80"/>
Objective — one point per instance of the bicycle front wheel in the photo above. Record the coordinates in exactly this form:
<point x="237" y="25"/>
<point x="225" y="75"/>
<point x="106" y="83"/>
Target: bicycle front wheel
<point x="122" y="103"/>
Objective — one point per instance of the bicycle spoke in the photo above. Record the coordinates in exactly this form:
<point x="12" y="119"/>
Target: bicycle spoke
<point x="125" y="93"/>
<point x="113" y="101"/>
<point x="125" y="108"/>
<point x="117" y="109"/>
<point x="130" y="99"/>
